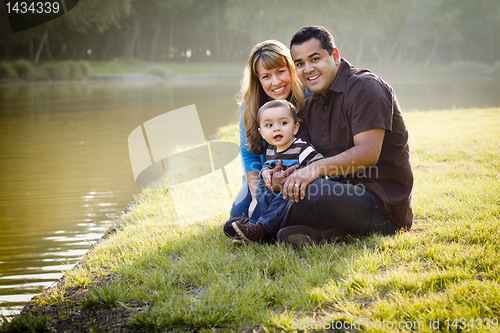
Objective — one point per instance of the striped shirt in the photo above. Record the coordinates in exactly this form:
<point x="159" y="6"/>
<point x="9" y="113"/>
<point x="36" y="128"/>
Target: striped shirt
<point x="299" y="152"/>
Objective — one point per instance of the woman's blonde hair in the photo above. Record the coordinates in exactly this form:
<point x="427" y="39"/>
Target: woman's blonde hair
<point x="272" y="54"/>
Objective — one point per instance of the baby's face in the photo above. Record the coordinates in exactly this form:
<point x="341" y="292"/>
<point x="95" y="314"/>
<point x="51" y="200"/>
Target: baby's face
<point x="277" y="126"/>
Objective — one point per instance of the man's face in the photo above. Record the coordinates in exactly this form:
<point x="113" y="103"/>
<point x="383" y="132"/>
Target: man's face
<point x="315" y="68"/>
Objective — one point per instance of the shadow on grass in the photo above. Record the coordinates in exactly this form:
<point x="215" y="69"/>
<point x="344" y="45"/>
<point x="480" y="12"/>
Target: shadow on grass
<point x="198" y="279"/>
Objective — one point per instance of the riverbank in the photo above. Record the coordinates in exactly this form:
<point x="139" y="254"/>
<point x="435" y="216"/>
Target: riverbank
<point x="167" y="265"/>
<point x="22" y="71"/>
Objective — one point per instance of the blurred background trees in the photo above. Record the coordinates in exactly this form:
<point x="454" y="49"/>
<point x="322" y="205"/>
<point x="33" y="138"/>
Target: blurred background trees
<point x="383" y="32"/>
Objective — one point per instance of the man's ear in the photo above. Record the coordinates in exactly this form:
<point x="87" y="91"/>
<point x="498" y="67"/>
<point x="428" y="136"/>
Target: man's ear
<point x="336" y="56"/>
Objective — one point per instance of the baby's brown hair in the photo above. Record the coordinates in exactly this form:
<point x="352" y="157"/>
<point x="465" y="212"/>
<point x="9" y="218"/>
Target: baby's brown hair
<point x="279" y="103"/>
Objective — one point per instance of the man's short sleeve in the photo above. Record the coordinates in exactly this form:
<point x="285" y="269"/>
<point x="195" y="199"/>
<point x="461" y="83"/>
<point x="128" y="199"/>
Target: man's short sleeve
<point x="369" y="103"/>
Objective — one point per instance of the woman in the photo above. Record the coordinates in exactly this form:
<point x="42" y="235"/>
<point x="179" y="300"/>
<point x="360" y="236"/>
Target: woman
<point x="269" y="74"/>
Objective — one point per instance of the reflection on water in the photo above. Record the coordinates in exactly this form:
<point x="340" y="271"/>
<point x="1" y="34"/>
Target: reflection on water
<point x="65" y="171"/>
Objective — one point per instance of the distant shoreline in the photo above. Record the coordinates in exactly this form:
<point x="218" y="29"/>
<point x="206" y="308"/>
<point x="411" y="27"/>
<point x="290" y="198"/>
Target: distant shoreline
<point x="130" y="77"/>
<point x="142" y="71"/>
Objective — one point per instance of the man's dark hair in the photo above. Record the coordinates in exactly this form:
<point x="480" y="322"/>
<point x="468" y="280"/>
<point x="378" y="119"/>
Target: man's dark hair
<point x="318" y="32"/>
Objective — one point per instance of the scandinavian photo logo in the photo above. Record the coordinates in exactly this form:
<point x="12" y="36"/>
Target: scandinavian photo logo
<point x="170" y="152"/>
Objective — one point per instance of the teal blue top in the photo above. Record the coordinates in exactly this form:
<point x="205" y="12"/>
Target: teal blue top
<point x="249" y="160"/>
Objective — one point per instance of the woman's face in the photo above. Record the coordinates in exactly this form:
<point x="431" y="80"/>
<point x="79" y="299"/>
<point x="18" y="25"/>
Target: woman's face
<point x="276" y="82"/>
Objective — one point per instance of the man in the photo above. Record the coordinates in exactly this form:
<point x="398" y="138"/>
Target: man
<point x="353" y="118"/>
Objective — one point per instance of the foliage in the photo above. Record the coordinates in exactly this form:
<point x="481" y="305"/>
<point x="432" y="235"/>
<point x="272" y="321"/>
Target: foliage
<point x="84" y="68"/>
<point x="24" y="323"/>
<point x="98" y="16"/>
<point x="75" y="70"/>
<point x="48" y="70"/>
<point x="25" y="69"/>
<point x="61" y="72"/>
<point x="65" y="70"/>
<point x="162" y="72"/>
<point x="7" y="72"/>
<point x="423" y="31"/>
<point x="42" y="73"/>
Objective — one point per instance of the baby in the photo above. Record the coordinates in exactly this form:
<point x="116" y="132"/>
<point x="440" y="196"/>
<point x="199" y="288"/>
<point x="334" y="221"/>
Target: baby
<point x="278" y="126"/>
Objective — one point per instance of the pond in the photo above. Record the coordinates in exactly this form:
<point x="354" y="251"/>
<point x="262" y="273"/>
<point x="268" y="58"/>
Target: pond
<point x="65" y="172"/>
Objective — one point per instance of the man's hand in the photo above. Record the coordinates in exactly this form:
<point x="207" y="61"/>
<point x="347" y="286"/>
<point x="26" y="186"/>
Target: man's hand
<point x="279" y="177"/>
<point x="365" y="153"/>
<point x="295" y="186"/>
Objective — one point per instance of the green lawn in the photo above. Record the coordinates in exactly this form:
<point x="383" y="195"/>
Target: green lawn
<point x="169" y="266"/>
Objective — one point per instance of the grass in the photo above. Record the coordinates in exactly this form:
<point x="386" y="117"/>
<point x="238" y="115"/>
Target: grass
<point x="121" y="66"/>
<point x="169" y="265"/>
<point x="24" y="323"/>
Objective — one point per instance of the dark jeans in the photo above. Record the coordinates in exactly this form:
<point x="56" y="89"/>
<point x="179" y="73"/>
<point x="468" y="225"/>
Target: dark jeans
<point x="244" y="198"/>
<point x="270" y="211"/>
<point x="336" y="205"/>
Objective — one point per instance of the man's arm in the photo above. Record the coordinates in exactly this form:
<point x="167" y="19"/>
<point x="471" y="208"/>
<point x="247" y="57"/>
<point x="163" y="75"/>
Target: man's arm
<point x="365" y="153"/>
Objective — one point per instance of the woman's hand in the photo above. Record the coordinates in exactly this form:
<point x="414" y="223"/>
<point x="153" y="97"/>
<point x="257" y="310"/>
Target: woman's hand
<point x="279" y="177"/>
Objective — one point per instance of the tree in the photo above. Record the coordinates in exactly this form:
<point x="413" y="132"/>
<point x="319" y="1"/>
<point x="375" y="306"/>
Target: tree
<point x="147" y="16"/>
<point x="96" y="15"/>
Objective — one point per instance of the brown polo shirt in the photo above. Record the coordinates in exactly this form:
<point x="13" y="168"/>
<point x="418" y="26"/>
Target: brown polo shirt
<point x="359" y="101"/>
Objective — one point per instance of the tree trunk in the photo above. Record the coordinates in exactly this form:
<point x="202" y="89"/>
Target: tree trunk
<point x="376" y="51"/>
<point x="130" y="46"/>
<point x="490" y="37"/>
<point x="47" y="47"/>
<point x="31" y="49"/>
<point x="138" y="44"/>
<point x="434" y="49"/>
<point x="154" y="44"/>
<point x="360" y="49"/>
<point x="40" y="47"/>
<point x="413" y="55"/>
<point x="106" y="50"/>
<point x="229" y="47"/>
<point x="457" y="53"/>
<point x="217" y="31"/>
<point x="171" y="37"/>
<point x="402" y="52"/>
<point x="388" y="55"/>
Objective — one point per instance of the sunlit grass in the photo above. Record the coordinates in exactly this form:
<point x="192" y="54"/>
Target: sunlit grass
<point x="24" y="323"/>
<point x="186" y="274"/>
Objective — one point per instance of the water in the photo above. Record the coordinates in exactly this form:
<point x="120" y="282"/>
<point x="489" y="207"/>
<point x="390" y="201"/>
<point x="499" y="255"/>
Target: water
<point x="65" y="172"/>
